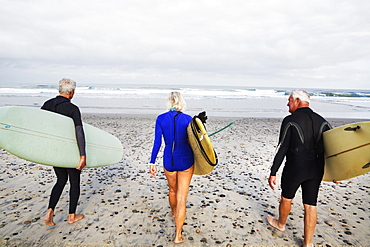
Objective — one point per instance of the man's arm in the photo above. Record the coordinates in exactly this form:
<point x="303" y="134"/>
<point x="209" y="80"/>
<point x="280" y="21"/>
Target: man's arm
<point x="81" y="143"/>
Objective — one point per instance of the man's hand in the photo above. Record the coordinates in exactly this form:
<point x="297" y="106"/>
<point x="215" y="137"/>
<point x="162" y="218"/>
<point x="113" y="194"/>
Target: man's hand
<point x="272" y="182"/>
<point x="82" y="162"/>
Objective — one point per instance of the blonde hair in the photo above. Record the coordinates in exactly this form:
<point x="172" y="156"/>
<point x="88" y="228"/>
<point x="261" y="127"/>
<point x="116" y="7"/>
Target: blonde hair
<point x="175" y="100"/>
<point x="66" y="86"/>
<point x="300" y="94"/>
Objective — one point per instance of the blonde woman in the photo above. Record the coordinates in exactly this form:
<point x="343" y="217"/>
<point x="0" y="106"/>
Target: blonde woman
<point x="178" y="157"/>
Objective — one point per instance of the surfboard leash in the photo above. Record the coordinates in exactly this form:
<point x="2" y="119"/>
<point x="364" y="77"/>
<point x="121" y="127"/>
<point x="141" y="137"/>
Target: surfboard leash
<point x="221" y="129"/>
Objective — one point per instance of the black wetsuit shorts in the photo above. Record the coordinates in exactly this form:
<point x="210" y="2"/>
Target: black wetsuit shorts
<point x="310" y="189"/>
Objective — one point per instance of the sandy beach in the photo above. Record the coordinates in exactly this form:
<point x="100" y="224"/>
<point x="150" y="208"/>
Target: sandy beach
<point x="124" y="206"/>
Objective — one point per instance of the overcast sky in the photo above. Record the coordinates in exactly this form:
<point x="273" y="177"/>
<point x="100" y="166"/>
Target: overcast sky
<point x="311" y="43"/>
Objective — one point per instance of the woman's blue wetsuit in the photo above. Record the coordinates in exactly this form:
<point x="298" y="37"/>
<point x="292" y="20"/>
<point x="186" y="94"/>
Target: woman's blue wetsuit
<point x="178" y="155"/>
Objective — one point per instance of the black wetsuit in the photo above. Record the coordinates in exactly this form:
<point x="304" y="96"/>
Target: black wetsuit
<point x="64" y="106"/>
<point x="301" y="143"/>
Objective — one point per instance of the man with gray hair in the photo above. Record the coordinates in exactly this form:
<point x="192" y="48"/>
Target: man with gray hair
<point x="300" y="142"/>
<point x="62" y="105"/>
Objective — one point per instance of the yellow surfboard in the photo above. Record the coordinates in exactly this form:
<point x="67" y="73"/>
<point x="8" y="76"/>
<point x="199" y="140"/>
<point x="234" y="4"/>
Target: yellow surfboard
<point x="205" y="158"/>
<point x="347" y="151"/>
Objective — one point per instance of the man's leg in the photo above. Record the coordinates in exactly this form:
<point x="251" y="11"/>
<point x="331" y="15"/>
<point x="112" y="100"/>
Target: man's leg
<point x="310" y="218"/>
<point x="284" y="210"/>
<point x="62" y="178"/>
<point x="310" y="190"/>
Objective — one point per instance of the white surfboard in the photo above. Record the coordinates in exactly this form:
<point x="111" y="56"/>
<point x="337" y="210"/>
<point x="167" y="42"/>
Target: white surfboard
<point x="49" y="138"/>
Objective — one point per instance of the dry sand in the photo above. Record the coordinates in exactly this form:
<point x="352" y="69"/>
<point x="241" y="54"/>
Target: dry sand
<point x="124" y="206"/>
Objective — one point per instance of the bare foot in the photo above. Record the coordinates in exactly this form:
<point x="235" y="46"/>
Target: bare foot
<point x="274" y="223"/>
<point x="178" y="241"/>
<point x="307" y="245"/>
<point x="178" y="237"/>
<point x="49" y="218"/>
<point x="72" y="218"/>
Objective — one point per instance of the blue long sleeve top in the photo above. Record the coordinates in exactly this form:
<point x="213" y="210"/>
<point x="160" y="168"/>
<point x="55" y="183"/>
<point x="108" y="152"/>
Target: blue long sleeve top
<point x="178" y="155"/>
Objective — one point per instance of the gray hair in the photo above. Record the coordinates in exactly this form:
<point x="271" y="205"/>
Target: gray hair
<point x="175" y="100"/>
<point x="300" y="94"/>
<point x="66" y="86"/>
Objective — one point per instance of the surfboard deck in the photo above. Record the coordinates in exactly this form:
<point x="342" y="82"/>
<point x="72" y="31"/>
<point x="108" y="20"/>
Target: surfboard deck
<point x="205" y="158"/>
<point x="347" y="151"/>
<point x="49" y="138"/>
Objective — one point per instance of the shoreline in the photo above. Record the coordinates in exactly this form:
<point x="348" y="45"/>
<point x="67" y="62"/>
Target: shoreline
<point x="124" y="206"/>
<point x="149" y="115"/>
<point x="249" y="107"/>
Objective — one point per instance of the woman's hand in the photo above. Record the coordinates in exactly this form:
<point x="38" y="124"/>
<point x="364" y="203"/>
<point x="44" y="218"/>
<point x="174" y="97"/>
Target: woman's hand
<point x="153" y="170"/>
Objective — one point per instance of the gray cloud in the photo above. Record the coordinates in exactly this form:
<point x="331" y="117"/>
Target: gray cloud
<point x="263" y="43"/>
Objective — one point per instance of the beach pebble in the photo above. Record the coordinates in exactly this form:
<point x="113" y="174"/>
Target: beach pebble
<point x="329" y="223"/>
<point x="204" y="240"/>
<point x="35" y="219"/>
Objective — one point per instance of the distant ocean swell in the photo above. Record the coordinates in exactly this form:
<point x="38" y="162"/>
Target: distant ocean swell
<point x="219" y="101"/>
<point x="159" y="91"/>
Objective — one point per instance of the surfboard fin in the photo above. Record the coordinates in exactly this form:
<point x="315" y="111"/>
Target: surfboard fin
<point x="366" y="166"/>
<point x="202" y="116"/>
<point x="352" y="128"/>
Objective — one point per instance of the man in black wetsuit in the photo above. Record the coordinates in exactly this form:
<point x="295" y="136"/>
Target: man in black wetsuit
<point x="62" y="105"/>
<point x="300" y="142"/>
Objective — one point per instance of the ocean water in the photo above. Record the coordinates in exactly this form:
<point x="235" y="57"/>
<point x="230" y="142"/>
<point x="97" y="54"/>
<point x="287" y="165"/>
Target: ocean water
<point x="226" y="101"/>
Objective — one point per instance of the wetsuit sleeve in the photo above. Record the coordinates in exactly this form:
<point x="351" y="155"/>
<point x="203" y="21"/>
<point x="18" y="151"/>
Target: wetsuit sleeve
<point x="157" y="141"/>
<point x="76" y="116"/>
<point x="80" y="135"/>
<point x="81" y="143"/>
<point x="283" y="147"/>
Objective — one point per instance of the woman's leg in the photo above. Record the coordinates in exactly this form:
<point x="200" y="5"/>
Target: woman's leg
<point x="183" y="183"/>
<point x="172" y="184"/>
<point x="62" y="177"/>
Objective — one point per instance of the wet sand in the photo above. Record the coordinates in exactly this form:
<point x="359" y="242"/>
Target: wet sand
<point x="124" y="206"/>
